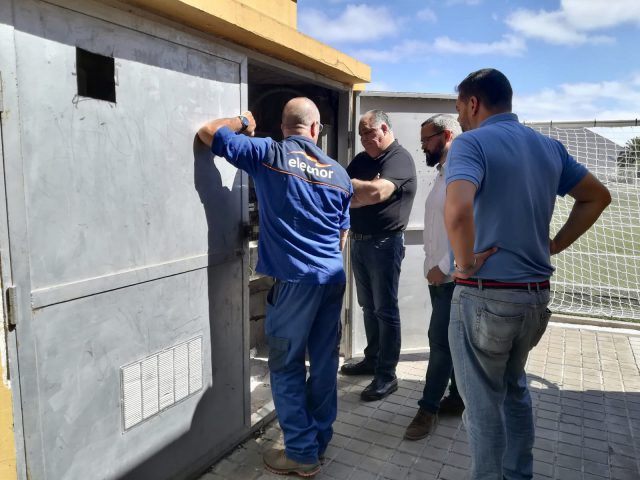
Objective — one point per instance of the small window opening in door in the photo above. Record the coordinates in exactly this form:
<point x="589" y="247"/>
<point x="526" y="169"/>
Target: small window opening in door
<point x="96" y="75"/>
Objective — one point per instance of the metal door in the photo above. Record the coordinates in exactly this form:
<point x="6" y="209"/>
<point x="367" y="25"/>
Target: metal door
<point x="126" y="247"/>
<point x="406" y="111"/>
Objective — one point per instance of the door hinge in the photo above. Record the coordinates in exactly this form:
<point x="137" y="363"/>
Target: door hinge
<point x="12" y="305"/>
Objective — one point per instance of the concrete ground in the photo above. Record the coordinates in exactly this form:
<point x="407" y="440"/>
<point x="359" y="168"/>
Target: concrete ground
<point x="585" y="384"/>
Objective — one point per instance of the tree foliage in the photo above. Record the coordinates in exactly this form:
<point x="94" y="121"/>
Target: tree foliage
<point x="629" y="157"/>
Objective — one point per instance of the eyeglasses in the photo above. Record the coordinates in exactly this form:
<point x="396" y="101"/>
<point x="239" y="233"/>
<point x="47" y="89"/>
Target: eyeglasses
<point x="320" y="127"/>
<point x="424" y="140"/>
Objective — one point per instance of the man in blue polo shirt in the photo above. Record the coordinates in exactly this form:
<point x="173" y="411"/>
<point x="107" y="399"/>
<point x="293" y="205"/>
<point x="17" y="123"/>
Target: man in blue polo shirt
<point x="502" y="181"/>
<point x="304" y="199"/>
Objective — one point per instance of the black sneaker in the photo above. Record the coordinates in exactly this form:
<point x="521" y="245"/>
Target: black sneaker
<point x="359" y="368"/>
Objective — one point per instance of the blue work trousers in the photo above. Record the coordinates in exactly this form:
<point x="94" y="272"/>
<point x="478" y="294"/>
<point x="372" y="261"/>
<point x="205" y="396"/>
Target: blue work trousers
<point x="304" y="318"/>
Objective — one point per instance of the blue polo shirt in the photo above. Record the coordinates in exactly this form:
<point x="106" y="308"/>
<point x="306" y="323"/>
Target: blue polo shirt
<point x="304" y="198"/>
<point x="518" y="172"/>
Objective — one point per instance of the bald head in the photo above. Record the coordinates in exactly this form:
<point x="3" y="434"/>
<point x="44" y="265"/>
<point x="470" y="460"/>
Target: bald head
<point x="301" y="117"/>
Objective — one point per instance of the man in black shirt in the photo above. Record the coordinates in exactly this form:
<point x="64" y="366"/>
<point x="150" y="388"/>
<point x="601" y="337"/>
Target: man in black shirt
<point x="384" y="184"/>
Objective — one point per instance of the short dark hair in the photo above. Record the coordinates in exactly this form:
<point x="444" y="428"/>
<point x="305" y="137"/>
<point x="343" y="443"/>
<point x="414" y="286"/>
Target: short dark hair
<point x="488" y="85"/>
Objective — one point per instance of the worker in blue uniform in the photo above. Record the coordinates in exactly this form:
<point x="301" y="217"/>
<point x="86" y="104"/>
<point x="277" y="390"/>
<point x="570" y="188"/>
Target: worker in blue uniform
<point x="304" y="199"/>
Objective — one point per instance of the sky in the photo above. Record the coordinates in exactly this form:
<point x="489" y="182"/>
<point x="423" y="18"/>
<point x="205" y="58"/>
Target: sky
<point x="566" y="59"/>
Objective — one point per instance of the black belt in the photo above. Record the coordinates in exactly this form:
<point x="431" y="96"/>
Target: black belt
<point x="371" y="236"/>
<point x="483" y="283"/>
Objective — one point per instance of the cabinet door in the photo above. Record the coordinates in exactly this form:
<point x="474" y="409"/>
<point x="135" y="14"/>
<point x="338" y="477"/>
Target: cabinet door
<point x="128" y="250"/>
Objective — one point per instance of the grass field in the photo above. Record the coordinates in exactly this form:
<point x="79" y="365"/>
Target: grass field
<point x="599" y="274"/>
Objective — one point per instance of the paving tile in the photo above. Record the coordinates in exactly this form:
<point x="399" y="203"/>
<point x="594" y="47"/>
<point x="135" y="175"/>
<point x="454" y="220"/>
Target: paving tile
<point x="372" y="465"/>
<point x="403" y="459"/>
<point x="562" y="473"/>
<point x="624" y="474"/>
<point x="225" y="468"/>
<point x="542" y="469"/>
<point x="356" y="445"/>
<point x="459" y="461"/>
<point x="544" y="444"/>
<point x="387" y="441"/>
<point x="417" y="475"/>
<point x="596" y="456"/>
<point x="595" y="468"/>
<point x="452" y="473"/>
<point x="363" y="475"/>
<point x="394" y="472"/>
<point x="339" y="440"/>
<point x="547" y="434"/>
<point x="570" y="438"/>
<point x="338" y="470"/>
<point x="623" y="462"/>
<point x="380" y="452"/>
<point x="412" y="447"/>
<point x="584" y="388"/>
<point x="349" y="457"/>
<point x="569" y="462"/>
<point x="446" y="431"/>
<point x="428" y="466"/>
<point x="460" y="447"/>
<point x="567" y="449"/>
<point x="438" y="441"/>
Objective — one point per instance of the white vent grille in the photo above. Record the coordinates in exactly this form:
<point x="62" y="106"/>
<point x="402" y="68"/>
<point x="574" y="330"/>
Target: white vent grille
<point x="160" y="380"/>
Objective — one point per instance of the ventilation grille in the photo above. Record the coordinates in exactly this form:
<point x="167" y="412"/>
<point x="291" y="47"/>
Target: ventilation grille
<point x="159" y="381"/>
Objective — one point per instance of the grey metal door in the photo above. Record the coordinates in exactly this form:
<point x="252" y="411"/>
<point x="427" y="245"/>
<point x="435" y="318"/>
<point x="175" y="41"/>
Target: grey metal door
<point x="406" y="111"/>
<point x="126" y="247"/>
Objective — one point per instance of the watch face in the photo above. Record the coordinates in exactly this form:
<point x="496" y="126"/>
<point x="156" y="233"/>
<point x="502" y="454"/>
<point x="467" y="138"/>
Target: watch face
<point x="245" y="122"/>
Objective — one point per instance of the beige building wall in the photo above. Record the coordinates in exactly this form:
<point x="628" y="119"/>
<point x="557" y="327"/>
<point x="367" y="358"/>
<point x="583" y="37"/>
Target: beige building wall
<point x="258" y="25"/>
<point x="7" y="445"/>
<point x="283" y="11"/>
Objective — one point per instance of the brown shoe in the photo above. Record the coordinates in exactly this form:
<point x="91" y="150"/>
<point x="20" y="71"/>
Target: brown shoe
<point x="422" y="425"/>
<point x="276" y="461"/>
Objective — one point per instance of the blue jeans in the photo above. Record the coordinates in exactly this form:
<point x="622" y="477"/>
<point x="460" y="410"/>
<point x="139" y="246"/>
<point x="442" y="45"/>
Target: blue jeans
<point x="490" y="334"/>
<point x="304" y="318"/>
<point x="440" y="368"/>
<point x="376" y="267"/>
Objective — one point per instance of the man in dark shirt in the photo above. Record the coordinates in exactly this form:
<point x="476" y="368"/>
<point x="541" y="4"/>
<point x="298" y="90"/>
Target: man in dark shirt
<point x="384" y="184"/>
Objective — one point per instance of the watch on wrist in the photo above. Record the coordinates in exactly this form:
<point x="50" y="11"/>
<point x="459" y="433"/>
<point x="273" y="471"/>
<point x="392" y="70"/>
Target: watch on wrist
<point x="464" y="270"/>
<point x="244" y="121"/>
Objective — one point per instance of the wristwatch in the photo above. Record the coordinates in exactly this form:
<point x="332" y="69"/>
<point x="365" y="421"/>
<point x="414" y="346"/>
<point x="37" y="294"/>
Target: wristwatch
<point x="245" y="122"/>
<point x="464" y="270"/>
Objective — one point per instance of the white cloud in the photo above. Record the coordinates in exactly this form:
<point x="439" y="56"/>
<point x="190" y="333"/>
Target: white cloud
<point x="597" y="14"/>
<point x="414" y="50"/>
<point x="357" y="23"/>
<point x="607" y="100"/>
<point x="575" y="21"/>
<point x="407" y="50"/>
<point x="379" y="87"/>
<point x="427" y="15"/>
<point x="509" y="45"/>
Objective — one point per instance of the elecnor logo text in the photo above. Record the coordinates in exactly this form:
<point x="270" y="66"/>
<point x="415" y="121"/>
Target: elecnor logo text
<point x="311" y="166"/>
